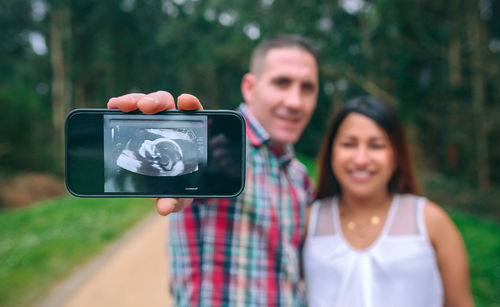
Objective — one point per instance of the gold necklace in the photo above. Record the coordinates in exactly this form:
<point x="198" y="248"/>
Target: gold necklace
<point x="362" y="230"/>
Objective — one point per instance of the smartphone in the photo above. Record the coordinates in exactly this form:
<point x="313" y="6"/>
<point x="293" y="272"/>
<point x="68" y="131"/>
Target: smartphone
<point x="199" y="154"/>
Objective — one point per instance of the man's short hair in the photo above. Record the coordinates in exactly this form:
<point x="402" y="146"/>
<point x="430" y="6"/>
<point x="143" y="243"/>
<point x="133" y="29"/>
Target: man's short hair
<point x="280" y="41"/>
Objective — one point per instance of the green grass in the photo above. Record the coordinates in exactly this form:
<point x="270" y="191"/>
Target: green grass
<point x="42" y="244"/>
<point x="482" y="239"/>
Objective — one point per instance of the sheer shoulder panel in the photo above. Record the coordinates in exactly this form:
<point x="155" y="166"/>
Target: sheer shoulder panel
<point x="405" y="218"/>
<point x="324" y="220"/>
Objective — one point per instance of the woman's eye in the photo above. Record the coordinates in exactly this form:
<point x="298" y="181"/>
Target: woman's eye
<point x="377" y="146"/>
<point x="348" y="145"/>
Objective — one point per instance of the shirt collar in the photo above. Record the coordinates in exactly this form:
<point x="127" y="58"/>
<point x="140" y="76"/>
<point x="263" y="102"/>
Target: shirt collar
<point x="258" y="136"/>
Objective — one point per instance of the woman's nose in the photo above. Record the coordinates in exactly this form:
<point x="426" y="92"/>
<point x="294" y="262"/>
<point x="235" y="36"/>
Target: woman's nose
<point x="361" y="155"/>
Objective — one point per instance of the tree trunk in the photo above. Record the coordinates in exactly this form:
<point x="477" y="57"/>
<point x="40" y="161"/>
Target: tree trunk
<point x="477" y="36"/>
<point x="454" y="61"/>
<point x="60" y="30"/>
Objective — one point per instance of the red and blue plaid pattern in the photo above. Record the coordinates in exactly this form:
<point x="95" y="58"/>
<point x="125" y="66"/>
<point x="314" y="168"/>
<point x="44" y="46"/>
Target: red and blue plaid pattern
<point x="244" y="251"/>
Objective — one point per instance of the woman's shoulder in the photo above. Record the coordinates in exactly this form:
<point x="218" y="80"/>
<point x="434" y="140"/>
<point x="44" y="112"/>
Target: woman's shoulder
<point x="430" y="207"/>
<point x="326" y="201"/>
<point x="434" y="213"/>
<point x="412" y="198"/>
<point x="320" y="207"/>
<point x="438" y="223"/>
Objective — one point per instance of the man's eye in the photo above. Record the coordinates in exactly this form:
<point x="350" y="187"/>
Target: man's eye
<point x="282" y="82"/>
<point x="308" y="88"/>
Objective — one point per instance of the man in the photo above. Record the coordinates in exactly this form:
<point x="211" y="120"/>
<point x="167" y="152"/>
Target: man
<point x="245" y="251"/>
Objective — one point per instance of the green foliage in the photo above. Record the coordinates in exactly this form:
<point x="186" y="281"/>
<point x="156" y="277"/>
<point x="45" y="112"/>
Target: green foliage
<point x="311" y="166"/>
<point x="24" y="131"/>
<point x="401" y="51"/>
<point x="42" y="244"/>
<point x="15" y="21"/>
<point x="483" y="245"/>
<point x="458" y="193"/>
<point x="436" y="63"/>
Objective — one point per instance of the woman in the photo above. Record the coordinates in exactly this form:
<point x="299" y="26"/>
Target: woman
<point x="371" y="240"/>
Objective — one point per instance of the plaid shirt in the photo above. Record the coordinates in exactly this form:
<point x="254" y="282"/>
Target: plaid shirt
<point x="244" y="251"/>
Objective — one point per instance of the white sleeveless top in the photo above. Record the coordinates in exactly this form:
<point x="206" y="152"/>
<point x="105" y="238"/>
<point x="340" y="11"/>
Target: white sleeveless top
<point x="398" y="269"/>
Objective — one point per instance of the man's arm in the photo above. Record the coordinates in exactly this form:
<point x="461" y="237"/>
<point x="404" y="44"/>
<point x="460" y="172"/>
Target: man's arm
<point x="150" y="104"/>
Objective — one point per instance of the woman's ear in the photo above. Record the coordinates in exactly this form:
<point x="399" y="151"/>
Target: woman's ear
<point x="247" y="86"/>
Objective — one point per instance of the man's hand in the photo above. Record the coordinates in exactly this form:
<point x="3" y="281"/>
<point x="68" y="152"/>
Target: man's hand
<point x="154" y="102"/>
<point x="150" y="104"/>
<point x="165" y="206"/>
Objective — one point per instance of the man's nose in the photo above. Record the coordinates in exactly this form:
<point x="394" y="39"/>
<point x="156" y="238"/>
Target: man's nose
<point x="293" y="98"/>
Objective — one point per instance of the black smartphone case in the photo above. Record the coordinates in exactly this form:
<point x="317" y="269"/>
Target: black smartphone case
<point x="88" y="145"/>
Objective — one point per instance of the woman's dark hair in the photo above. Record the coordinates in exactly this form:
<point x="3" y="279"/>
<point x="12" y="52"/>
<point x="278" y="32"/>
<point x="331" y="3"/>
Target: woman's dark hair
<point x="403" y="179"/>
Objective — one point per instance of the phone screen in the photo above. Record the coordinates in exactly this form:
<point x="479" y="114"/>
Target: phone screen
<point x="177" y="154"/>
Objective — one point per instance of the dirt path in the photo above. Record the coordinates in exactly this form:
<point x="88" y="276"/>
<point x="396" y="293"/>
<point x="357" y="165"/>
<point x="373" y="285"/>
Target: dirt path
<point x="132" y="272"/>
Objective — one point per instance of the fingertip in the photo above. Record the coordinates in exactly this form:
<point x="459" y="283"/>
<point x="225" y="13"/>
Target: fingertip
<point x="166" y="99"/>
<point x="188" y="102"/>
<point x="112" y="103"/>
<point x="148" y="105"/>
<point x="156" y="102"/>
<point x="165" y="206"/>
<point x="125" y="103"/>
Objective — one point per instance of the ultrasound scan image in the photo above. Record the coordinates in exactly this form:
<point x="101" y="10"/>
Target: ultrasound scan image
<point x="139" y="148"/>
<point x="171" y="153"/>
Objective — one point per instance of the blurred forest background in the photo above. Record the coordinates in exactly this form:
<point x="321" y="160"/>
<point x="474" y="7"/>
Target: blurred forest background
<point x="436" y="62"/>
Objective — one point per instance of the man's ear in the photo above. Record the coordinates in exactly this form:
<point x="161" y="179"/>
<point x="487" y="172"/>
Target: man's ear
<point x="247" y="86"/>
